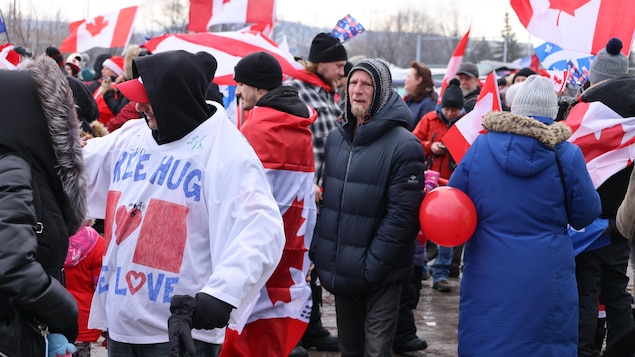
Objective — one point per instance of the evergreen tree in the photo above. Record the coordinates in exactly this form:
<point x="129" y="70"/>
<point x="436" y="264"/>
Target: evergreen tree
<point x="508" y="49"/>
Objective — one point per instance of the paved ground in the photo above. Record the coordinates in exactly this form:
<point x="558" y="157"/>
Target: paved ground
<point x="436" y="317"/>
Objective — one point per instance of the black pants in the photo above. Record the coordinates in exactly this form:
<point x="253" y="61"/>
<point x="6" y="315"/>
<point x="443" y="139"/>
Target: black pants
<point x="410" y="291"/>
<point x="601" y="276"/>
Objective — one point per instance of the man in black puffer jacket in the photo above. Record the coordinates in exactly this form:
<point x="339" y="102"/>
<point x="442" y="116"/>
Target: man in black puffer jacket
<point x="373" y="186"/>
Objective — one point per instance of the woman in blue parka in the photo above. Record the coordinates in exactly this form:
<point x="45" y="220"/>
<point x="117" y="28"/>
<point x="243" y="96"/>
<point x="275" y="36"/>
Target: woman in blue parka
<point x="518" y="292"/>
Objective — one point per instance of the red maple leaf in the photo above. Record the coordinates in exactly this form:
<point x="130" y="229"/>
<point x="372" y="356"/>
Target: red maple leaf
<point x="610" y="139"/>
<point x="96" y="27"/>
<point x="568" y="6"/>
<point x="292" y="257"/>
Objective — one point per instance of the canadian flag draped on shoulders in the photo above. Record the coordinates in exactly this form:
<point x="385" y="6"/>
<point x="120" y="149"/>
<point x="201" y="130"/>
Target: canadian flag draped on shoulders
<point x="578" y="25"/>
<point x="283" y="142"/>
<point x="109" y="30"/>
<point x="603" y="126"/>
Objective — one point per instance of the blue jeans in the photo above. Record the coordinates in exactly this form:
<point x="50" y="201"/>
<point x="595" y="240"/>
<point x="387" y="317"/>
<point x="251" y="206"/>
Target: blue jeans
<point x="119" y="349"/>
<point x="442" y="263"/>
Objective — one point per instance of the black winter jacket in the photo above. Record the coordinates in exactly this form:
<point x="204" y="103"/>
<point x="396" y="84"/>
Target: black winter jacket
<point x="373" y="188"/>
<point x="42" y="203"/>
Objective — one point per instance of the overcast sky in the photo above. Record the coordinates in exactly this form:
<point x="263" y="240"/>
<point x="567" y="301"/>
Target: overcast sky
<point x="484" y="16"/>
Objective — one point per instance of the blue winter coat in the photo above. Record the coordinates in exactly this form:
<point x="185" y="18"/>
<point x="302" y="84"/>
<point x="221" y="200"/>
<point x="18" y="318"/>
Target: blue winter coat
<point x="373" y="188"/>
<point x="518" y="292"/>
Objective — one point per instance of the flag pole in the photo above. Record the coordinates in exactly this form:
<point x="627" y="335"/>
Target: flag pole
<point x="5" y="26"/>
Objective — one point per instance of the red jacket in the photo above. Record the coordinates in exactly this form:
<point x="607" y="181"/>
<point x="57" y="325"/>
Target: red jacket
<point x="431" y="128"/>
<point x="82" y="268"/>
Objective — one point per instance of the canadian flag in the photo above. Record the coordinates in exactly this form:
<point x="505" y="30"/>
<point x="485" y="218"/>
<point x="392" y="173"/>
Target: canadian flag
<point x="228" y="48"/>
<point x="454" y="63"/>
<point x="558" y="79"/>
<point x="462" y="134"/>
<point x="606" y="138"/>
<point x="579" y="25"/>
<point x="280" y="315"/>
<point x="205" y="13"/>
<point x="107" y="31"/>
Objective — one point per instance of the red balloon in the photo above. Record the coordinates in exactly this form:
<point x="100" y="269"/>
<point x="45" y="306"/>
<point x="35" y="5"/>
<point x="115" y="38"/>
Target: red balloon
<point x="447" y="216"/>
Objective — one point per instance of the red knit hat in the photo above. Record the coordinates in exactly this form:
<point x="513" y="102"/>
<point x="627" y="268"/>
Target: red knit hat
<point x="115" y="64"/>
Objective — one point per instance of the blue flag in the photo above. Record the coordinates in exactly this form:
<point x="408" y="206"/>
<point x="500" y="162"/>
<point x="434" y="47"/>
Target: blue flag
<point x="2" y="27"/>
<point x="347" y="28"/>
<point x="553" y="57"/>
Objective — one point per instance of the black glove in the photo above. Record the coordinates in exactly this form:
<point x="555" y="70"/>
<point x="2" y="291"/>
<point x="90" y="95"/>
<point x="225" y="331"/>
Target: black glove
<point x="210" y="312"/>
<point x="182" y="308"/>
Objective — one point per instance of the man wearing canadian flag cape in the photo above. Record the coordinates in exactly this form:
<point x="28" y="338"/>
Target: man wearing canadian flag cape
<point x="277" y="126"/>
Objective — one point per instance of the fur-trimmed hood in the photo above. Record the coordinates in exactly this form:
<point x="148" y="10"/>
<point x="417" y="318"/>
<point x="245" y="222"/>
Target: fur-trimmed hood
<point x="40" y="124"/>
<point x="548" y="134"/>
<point x="523" y="146"/>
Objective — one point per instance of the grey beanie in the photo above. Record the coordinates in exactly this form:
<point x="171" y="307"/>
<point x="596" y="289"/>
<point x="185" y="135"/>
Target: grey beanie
<point x="609" y="62"/>
<point x="382" y="82"/>
<point x="536" y="97"/>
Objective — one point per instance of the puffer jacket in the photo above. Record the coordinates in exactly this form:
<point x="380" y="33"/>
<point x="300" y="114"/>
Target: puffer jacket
<point x="42" y="202"/>
<point x="372" y="191"/>
<point x="511" y="174"/>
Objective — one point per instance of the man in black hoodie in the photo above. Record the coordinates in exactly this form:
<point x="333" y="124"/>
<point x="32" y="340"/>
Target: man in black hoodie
<point x="191" y="226"/>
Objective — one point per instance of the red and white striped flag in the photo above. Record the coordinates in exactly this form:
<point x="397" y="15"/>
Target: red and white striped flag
<point x="205" y="13"/>
<point x="280" y="315"/>
<point x="579" y="25"/>
<point x="106" y="31"/>
<point x="606" y="138"/>
<point x="462" y="134"/>
<point x="228" y="48"/>
<point x="454" y="63"/>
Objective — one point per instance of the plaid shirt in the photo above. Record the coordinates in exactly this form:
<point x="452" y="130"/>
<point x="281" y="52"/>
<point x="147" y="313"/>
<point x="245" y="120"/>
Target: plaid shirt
<point x="324" y="104"/>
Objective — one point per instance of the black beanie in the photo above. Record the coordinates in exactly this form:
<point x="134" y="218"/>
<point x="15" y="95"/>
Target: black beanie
<point x="55" y="54"/>
<point x="326" y="48"/>
<point x="525" y="72"/>
<point x="452" y="95"/>
<point x="259" y="70"/>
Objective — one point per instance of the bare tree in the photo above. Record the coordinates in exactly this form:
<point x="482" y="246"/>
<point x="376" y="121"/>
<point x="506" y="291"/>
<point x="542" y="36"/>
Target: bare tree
<point x="171" y="16"/>
<point x="29" y="26"/>
<point x="397" y="38"/>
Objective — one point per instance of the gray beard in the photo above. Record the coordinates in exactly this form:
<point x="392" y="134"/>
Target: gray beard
<point x="357" y="110"/>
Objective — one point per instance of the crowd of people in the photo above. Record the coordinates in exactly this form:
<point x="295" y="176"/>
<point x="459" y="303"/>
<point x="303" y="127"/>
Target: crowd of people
<point x="133" y="208"/>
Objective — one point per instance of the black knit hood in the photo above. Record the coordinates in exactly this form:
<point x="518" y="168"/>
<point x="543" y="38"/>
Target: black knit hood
<point x="176" y="83"/>
<point x="39" y="123"/>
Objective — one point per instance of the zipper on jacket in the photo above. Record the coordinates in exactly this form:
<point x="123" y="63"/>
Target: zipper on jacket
<point x="339" y="226"/>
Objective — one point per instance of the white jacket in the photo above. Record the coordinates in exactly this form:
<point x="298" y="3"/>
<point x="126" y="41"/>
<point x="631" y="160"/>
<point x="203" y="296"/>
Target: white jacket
<point x="191" y="215"/>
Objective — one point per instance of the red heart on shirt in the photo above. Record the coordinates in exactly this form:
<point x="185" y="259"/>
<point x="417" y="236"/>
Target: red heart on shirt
<point x="127" y="221"/>
<point x="135" y="281"/>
